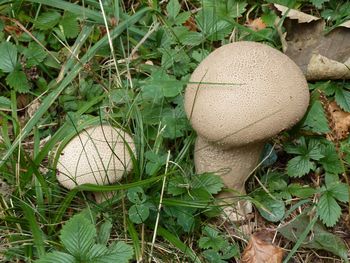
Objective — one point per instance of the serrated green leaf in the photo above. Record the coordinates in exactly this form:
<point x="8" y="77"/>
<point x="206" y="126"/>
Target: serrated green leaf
<point x="342" y="97"/>
<point x="328" y="209"/>
<point x="315" y="149"/>
<point x="177" y="185"/>
<point x="121" y="253"/>
<point x="212" y="239"/>
<point x="331" y="162"/>
<point x="104" y="232"/>
<point x="138" y="213"/>
<point x="78" y="236"/>
<point x="18" y="81"/>
<point x="8" y="55"/>
<point x="339" y="191"/>
<point x="57" y="257"/>
<point x="173" y="8"/>
<point x="299" y="166"/>
<point x="316" y="120"/>
<point x="208" y="181"/>
<point x="47" y="20"/>
<point x="34" y="54"/>
<point x="70" y="25"/>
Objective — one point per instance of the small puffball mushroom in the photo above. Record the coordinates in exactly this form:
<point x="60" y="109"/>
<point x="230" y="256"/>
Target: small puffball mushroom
<point x="238" y="97"/>
<point x="97" y="155"/>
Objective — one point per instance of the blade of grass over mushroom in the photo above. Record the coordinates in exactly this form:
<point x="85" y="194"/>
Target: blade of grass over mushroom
<point x="175" y="241"/>
<point x="47" y="102"/>
<point x="73" y="8"/>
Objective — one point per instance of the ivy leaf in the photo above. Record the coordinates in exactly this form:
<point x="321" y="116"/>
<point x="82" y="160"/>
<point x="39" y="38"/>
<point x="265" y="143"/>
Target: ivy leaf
<point x="316" y="120"/>
<point x="8" y="55"/>
<point x="328" y="209"/>
<point x="70" y="25"/>
<point x="342" y="97"/>
<point x="57" y="257"/>
<point x="78" y="236"/>
<point x="18" y="81"/>
<point x="299" y="166"/>
<point x="47" y="20"/>
<point x="34" y="54"/>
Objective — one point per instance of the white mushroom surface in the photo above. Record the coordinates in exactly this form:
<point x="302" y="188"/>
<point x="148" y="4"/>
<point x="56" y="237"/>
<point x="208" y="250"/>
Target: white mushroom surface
<point x="97" y="155"/>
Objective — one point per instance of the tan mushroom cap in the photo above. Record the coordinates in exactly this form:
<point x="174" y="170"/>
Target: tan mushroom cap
<point x="245" y="92"/>
<point x="98" y="155"/>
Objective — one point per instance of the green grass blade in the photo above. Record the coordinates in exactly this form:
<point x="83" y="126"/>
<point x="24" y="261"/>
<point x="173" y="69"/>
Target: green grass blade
<point x="38" y="235"/>
<point x="135" y="240"/>
<point x="51" y="98"/>
<point x="178" y="244"/>
<point x="73" y="8"/>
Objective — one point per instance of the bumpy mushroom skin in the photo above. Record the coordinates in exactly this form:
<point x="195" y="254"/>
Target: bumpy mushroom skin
<point x="98" y="155"/>
<point x="238" y="97"/>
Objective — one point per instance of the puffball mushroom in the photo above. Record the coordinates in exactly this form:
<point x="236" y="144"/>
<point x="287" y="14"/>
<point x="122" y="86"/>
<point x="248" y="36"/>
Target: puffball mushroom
<point x="98" y="155"/>
<point x="238" y="97"/>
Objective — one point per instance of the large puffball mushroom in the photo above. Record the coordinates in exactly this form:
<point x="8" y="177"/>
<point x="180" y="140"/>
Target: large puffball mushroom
<point x="97" y="155"/>
<point x="238" y="97"/>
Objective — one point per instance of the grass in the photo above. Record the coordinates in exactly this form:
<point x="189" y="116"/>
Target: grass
<point x="127" y="63"/>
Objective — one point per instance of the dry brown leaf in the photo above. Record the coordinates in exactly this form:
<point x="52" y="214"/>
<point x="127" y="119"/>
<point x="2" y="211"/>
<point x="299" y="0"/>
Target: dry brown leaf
<point x="339" y="122"/>
<point x="319" y="55"/>
<point x="345" y="24"/>
<point x="296" y="14"/>
<point x="260" y="250"/>
<point x="256" y="24"/>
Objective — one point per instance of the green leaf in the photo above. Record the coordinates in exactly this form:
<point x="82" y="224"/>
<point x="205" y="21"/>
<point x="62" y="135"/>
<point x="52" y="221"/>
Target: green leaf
<point x="208" y="181"/>
<point x="34" y="54"/>
<point x="318" y="3"/>
<point x="5" y="103"/>
<point x="213" y="256"/>
<point x="123" y="250"/>
<point x="271" y="209"/>
<point x="104" y="232"/>
<point x="319" y="239"/>
<point x="331" y="162"/>
<point x="342" y="97"/>
<point x="57" y="257"/>
<point x="173" y="9"/>
<point x="138" y="213"/>
<point x="78" y="235"/>
<point x="328" y="209"/>
<point x="211" y="239"/>
<point x="301" y="191"/>
<point x="136" y="195"/>
<point x="316" y="120"/>
<point x="299" y="166"/>
<point x="70" y="25"/>
<point x="177" y="185"/>
<point x="8" y="55"/>
<point x="47" y="20"/>
<point x="18" y="81"/>
<point x="339" y="191"/>
<point x="315" y="149"/>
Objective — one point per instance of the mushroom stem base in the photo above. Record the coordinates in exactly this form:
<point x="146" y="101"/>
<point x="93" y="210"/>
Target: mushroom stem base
<point x="233" y="165"/>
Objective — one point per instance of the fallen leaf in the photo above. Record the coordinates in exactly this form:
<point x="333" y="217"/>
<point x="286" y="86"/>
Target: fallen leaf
<point x="319" y="55"/>
<point x="295" y="14"/>
<point x="256" y="24"/>
<point x="260" y="250"/>
<point x="345" y="24"/>
<point x="338" y="120"/>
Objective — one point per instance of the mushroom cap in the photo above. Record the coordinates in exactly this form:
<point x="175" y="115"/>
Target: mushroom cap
<point x="97" y="155"/>
<point x="245" y="92"/>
